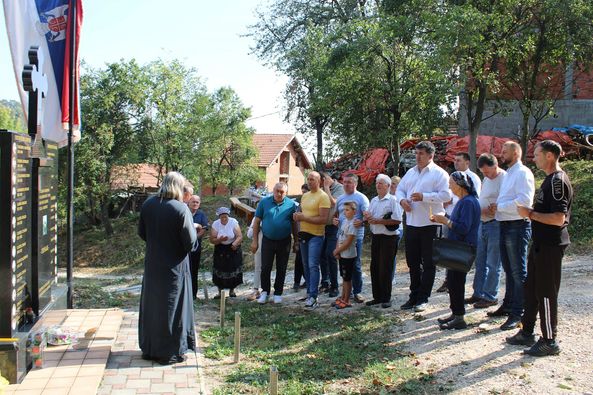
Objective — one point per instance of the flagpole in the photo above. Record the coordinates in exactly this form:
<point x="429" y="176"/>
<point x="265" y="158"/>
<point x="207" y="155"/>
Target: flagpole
<point x="70" y="200"/>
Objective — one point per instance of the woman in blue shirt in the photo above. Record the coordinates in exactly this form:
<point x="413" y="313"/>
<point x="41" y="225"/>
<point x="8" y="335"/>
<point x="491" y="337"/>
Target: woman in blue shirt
<point x="463" y="226"/>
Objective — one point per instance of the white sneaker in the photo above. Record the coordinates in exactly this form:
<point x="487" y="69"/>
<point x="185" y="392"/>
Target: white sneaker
<point x="311" y="303"/>
<point x="263" y="298"/>
<point x="277" y="299"/>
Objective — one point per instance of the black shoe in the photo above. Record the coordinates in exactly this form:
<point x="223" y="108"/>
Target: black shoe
<point x="484" y="304"/>
<point x="446" y="319"/>
<point x="543" y="348"/>
<point x="386" y="305"/>
<point x="372" y="302"/>
<point x="232" y="293"/>
<point x="409" y="305"/>
<point x="471" y="300"/>
<point x="171" y="361"/>
<point x="500" y="312"/>
<point x="296" y="287"/>
<point x="456" y="323"/>
<point x="181" y="358"/>
<point x="521" y="339"/>
<point x="333" y="292"/>
<point x="511" y="323"/>
<point x="444" y="287"/>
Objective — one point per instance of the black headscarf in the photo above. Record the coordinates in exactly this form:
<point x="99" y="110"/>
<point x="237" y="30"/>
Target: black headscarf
<point x="465" y="182"/>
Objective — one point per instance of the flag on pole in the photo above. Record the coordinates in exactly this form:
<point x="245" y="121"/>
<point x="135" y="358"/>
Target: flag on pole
<point x="46" y="24"/>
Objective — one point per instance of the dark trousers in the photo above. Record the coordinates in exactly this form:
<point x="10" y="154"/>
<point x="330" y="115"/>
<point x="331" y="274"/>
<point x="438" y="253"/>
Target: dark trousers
<point x="194" y="268"/>
<point x="544" y="267"/>
<point x="270" y="249"/>
<point x="383" y="250"/>
<point x="329" y="263"/>
<point x="419" y="259"/>
<point x="456" y="285"/>
<point x="299" y="272"/>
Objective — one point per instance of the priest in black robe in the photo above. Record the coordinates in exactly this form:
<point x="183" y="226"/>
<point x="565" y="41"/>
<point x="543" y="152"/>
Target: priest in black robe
<point x="166" y="323"/>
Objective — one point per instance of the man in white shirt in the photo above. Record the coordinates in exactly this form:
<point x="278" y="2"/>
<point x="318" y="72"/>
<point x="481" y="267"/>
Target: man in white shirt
<point x="488" y="266"/>
<point x="422" y="192"/>
<point x="517" y="190"/>
<point x="383" y="217"/>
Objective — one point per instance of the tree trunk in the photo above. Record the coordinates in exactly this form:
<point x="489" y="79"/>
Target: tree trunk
<point x="524" y="137"/>
<point x="105" y="220"/>
<point x="319" y="133"/>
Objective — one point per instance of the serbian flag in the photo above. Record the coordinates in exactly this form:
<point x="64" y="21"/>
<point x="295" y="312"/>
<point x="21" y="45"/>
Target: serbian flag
<point x="46" y="24"/>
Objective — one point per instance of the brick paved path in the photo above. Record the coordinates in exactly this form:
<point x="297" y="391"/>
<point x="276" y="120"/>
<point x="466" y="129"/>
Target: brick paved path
<point x="128" y="374"/>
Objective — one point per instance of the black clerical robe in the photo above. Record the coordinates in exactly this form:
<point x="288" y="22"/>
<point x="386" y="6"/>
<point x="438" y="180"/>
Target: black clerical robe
<point x="166" y="322"/>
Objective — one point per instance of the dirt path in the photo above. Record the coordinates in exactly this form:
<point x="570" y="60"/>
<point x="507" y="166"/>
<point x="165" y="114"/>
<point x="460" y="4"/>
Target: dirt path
<point x="478" y="360"/>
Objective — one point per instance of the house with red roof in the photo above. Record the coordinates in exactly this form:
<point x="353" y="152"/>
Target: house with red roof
<point x="282" y="158"/>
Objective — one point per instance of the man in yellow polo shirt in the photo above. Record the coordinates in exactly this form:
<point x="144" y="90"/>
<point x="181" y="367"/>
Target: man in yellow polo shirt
<point x="315" y="206"/>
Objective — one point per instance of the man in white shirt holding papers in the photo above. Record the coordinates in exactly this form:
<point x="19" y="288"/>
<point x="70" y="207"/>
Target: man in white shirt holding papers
<point x="422" y="192"/>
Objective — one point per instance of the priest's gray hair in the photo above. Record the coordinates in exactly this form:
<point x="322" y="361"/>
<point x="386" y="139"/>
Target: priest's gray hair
<point x="172" y="186"/>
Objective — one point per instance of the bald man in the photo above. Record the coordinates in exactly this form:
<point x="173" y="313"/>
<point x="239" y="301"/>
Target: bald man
<point x="315" y="206"/>
<point x="516" y="190"/>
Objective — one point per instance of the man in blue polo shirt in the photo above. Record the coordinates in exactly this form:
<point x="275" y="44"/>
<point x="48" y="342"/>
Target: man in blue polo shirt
<point x="274" y="214"/>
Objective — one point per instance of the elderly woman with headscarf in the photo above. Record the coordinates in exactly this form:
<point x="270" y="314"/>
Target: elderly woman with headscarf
<point x="463" y="226"/>
<point x="227" y="268"/>
<point x="166" y="322"/>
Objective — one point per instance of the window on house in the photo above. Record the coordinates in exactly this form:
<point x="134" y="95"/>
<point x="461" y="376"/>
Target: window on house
<point x="284" y="162"/>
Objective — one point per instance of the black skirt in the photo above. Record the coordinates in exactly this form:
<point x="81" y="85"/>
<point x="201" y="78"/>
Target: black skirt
<point x="227" y="268"/>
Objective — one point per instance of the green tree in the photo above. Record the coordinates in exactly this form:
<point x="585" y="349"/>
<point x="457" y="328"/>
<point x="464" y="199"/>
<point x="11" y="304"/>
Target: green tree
<point x="361" y="73"/>
<point x="173" y="92"/>
<point x="472" y="37"/>
<point x="11" y="116"/>
<point x="541" y="59"/>
<point x="224" y="150"/>
<point x="112" y="116"/>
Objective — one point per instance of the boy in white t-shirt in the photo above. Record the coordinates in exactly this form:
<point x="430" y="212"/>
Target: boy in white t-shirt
<point x="346" y="253"/>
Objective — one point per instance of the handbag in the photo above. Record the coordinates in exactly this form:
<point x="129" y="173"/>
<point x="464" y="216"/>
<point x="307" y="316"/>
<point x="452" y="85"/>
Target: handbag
<point x="390" y="228"/>
<point x="453" y="254"/>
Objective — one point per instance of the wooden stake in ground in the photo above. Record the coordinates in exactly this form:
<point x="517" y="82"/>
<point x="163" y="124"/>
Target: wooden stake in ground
<point x="237" y="335"/>
<point x="222" y="306"/>
<point x="273" y="380"/>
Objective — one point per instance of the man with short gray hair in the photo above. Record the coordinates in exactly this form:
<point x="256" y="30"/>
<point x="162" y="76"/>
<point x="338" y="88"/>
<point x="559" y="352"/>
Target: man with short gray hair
<point x="275" y="214"/>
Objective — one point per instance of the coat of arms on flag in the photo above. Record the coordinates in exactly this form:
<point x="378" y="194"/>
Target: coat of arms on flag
<point x="53" y="23"/>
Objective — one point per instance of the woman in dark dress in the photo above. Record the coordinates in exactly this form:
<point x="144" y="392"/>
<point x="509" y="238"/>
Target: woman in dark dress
<point x="227" y="268"/>
<point x="166" y="323"/>
<point x="463" y="226"/>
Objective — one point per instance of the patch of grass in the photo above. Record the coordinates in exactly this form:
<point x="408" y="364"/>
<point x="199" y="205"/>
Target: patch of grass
<point x="314" y="352"/>
<point x="123" y="251"/>
<point x="92" y="294"/>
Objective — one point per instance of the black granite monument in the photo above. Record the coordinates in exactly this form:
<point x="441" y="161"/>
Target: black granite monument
<point x="28" y="227"/>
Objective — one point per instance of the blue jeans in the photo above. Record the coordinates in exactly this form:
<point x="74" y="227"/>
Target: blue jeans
<point x="311" y="255"/>
<point x="357" y="274"/>
<point x="329" y="263"/>
<point x="488" y="266"/>
<point x="514" y="240"/>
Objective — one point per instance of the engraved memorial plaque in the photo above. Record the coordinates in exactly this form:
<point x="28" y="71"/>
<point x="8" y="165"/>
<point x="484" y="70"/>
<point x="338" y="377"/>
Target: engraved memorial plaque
<point x="15" y="231"/>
